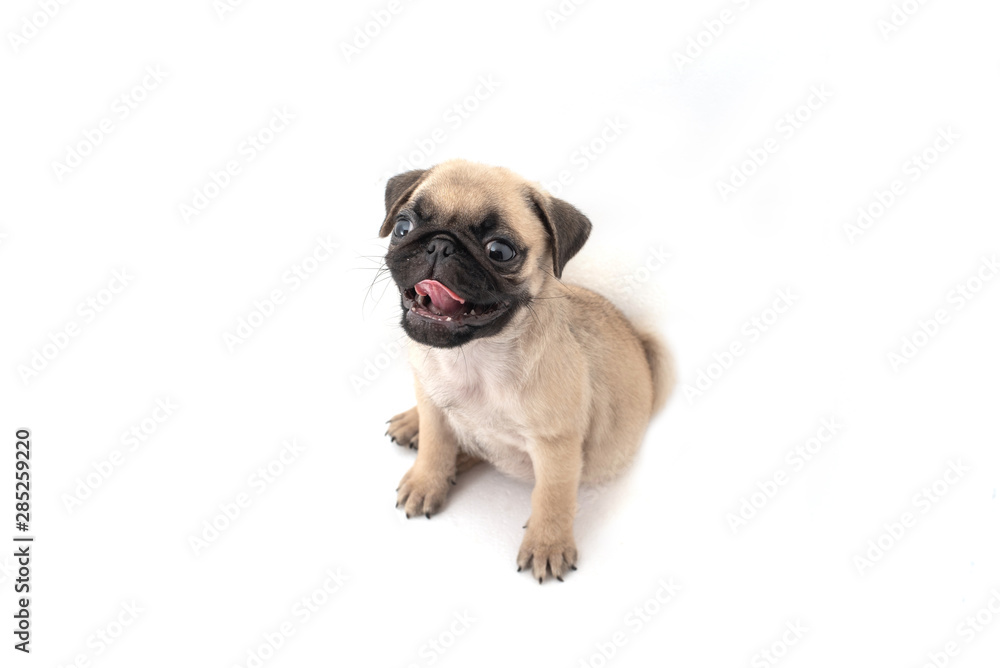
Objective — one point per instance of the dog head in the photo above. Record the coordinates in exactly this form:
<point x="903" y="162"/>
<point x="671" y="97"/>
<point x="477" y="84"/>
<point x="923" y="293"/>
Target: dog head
<point x="471" y="246"/>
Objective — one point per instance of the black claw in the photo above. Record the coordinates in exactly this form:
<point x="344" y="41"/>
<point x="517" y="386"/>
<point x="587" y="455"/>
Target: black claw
<point x="407" y="515"/>
<point x="559" y="577"/>
<point x="573" y="567"/>
<point x="427" y="515"/>
<point x="518" y="569"/>
<point x="539" y="580"/>
<point x="525" y="526"/>
<point x="453" y="481"/>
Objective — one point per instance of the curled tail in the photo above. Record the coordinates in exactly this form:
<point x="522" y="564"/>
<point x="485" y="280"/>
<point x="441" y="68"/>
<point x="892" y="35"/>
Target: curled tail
<point x="661" y="365"/>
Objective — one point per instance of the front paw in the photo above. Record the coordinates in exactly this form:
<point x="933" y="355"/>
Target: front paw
<point x="547" y="545"/>
<point x="422" y="492"/>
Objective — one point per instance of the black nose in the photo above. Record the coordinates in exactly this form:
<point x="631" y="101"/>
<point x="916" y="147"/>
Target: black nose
<point x="441" y="245"/>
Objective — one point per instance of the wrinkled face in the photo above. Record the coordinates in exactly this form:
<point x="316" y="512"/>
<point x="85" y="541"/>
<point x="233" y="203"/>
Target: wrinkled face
<point x="464" y="251"/>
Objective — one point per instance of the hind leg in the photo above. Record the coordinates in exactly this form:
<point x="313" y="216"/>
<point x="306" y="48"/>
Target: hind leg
<point x="404" y="429"/>
<point x="465" y="461"/>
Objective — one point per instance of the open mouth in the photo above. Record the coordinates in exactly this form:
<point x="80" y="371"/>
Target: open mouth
<point x="435" y="301"/>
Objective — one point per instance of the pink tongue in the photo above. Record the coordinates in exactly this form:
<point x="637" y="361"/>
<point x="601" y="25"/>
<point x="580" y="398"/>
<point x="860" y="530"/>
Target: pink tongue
<point x="444" y="300"/>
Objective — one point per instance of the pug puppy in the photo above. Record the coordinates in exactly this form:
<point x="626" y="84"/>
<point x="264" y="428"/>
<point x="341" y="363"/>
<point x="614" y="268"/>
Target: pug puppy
<point x="545" y="381"/>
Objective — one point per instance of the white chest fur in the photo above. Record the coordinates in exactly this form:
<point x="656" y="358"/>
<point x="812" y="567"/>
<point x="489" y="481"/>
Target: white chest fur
<point x="474" y="387"/>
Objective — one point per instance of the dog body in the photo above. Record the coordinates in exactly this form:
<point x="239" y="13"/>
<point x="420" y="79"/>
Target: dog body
<point x="546" y="381"/>
<point x="572" y="378"/>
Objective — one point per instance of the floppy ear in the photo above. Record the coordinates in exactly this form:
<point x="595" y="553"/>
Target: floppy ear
<point x="397" y="191"/>
<point x="568" y="228"/>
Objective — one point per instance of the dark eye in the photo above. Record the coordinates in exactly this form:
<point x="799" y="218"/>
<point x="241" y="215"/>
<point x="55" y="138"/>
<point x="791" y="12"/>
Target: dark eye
<point x="500" y="251"/>
<point x="402" y="227"/>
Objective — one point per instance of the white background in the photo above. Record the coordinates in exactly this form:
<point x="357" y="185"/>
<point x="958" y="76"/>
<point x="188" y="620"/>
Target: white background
<point x="301" y="375"/>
